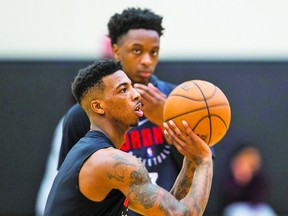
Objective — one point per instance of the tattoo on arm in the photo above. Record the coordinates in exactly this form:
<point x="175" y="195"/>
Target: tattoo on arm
<point x="184" y="181"/>
<point x="145" y="196"/>
<point x="120" y="166"/>
<point x="183" y="188"/>
<point x="200" y="190"/>
<point x="142" y="192"/>
<point x="195" y="200"/>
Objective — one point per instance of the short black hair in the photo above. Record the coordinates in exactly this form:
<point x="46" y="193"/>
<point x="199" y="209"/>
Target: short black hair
<point x="92" y="75"/>
<point x="133" y="18"/>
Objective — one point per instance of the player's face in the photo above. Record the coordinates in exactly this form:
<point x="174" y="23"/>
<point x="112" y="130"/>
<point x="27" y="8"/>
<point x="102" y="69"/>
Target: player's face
<point x="138" y="51"/>
<point x="121" y="101"/>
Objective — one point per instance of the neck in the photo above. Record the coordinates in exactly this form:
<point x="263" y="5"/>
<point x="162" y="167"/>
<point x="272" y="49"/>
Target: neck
<point x="116" y="135"/>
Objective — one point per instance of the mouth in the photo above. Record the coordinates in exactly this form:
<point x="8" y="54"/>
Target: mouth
<point x="138" y="110"/>
<point x="145" y="73"/>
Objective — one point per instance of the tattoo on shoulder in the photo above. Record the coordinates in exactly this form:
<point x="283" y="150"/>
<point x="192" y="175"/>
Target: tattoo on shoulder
<point x="120" y="166"/>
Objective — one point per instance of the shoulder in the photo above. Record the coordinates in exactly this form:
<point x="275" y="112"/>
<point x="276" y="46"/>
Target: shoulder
<point x="163" y="86"/>
<point x="75" y="114"/>
<point x="114" y="168"/>
<point x="109" y="169"/>
<point x="76" y="109"/>
<point x="113" y="160"/>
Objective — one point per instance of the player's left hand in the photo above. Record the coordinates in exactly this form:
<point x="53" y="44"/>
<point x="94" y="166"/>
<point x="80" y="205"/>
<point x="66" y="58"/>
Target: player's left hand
<point x="153" y="102"/>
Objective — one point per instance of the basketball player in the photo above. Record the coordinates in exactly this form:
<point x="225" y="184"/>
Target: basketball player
<point x="96" y="177"/>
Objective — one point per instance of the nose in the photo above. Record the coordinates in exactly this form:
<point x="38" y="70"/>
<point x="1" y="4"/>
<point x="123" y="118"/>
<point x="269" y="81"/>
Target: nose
<point x="136" y="95"/>
<point x="146" y="59"/>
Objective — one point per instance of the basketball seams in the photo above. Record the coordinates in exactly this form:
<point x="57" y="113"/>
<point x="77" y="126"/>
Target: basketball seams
<point x="176" y="116"/>
<point x="222" y="120"/>
<point x="178" y="95"/>
<point x="193" y="99"/>
<point x="196" y="110"/>
<point x="207" y="107"/>
<point x="200" y="120"/>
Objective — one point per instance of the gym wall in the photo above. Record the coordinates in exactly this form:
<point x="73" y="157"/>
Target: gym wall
<point x="36" y="94"/>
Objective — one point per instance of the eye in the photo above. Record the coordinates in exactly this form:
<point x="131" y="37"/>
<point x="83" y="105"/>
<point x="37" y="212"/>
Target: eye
<point x="136" y="51"/>
<point x="123" y="90"/>
<point x="155" y="52"/>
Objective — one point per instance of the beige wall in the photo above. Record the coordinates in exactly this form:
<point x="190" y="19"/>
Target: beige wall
<point x="195" y="29"/>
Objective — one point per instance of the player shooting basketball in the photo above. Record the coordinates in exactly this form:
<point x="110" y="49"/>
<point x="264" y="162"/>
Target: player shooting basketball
<point x="96" y="176"/>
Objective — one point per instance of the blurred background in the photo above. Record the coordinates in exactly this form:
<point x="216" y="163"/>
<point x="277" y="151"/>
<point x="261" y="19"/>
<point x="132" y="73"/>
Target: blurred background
<point x="240" y="46"/>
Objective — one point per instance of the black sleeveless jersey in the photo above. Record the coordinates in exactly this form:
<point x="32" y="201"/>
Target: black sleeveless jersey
<point x="65" y="197"/>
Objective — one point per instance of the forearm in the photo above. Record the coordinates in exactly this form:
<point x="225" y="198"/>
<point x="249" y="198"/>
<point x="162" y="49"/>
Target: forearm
<point x="149" y="199"/>
<point x="183" y="182"/>
<point x="199" y="192"/>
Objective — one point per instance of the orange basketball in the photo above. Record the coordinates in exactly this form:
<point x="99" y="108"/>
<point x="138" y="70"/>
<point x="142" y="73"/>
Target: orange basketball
<point x="203" y="105"/>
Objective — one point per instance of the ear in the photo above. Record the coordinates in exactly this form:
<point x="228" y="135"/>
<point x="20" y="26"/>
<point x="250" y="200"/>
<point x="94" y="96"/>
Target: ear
<point x="115" y="51"/>
<point x="96" y="106"/>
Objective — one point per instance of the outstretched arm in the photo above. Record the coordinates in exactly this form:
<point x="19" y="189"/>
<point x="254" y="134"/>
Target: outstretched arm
<point x="184" y="180"/>
<point x="185" y="143"/>
<point x="149" y="199"/>
<point x="109" y="169"/>
<point x="131" y="177"/>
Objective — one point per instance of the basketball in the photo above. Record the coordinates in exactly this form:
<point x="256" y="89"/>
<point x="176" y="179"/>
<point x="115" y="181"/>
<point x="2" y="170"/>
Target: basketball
<point x="203" y="105"/>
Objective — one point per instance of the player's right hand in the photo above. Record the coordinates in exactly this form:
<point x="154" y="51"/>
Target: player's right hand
<point x="188" y="144"/>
